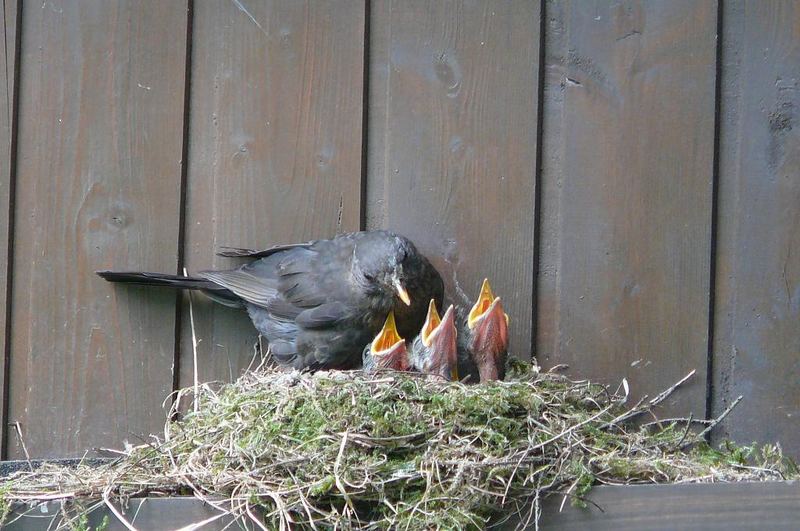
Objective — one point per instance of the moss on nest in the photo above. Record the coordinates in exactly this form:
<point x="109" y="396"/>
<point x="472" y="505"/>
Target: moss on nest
<point x="400" y="450"/>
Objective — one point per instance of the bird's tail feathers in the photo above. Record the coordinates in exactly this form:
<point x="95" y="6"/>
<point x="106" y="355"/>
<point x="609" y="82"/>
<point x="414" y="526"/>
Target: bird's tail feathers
<point x="209" y="288"/>
<point x="156" y="279"/>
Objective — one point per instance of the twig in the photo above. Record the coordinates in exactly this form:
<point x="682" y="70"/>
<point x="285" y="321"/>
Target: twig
<point x="567" y="493"/>
<point x="339" y="482"/>
<point x="194" y="349"/>
<point x="116" y="513"/>
<point x="676" y="420"/>
<point x="685" y="432"/>
<point x="198" y="525"/>
<point x="714" y="422"/>
<point x="257" y="520"/>
<point x="22" y="442"/>
<point x="663" y="395"/>
<point x="637" y="410"/>
<point x="570" y="429"/>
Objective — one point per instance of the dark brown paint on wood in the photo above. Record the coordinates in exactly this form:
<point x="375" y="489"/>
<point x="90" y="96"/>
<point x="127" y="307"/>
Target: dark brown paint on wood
<point x="711" y="507"/>
<point x="275" y="155"/>
<point x="142" y="513"/>
<point x="452" y="142"/>
<point x="717" y="506"/>
<point x="98" y="187"/>
<point x="7" y="148"/>
<point x="757" y="317"/>
<point x="627" y="188"/>
<point x="275" y="147"/>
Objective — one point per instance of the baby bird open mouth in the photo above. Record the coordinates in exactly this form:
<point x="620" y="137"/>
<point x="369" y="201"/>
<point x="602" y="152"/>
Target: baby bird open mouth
<point x="485" y="305"/>
<point x="388" y="338"/>
<point x="388" y="349"/>
<point x="487" y="335"/>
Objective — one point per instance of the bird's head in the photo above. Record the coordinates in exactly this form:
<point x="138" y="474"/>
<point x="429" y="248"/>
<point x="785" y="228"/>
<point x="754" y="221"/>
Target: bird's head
<point x="487" y="326"/>
<point x="437" y="343"/>
<point x="384" y="261"/>
<point x="388" y="349"/>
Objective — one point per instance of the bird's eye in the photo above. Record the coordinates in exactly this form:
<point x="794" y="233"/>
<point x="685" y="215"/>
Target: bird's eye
<point x="369" y="277"/>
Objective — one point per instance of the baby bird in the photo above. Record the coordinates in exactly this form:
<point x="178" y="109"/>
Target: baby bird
<point x="387" y="350"/>
<point x="434" y="349"/>
<point x="483" y="339"/>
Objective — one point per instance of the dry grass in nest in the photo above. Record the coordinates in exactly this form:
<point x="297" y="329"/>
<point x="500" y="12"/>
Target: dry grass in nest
<point x="400" y="451"/>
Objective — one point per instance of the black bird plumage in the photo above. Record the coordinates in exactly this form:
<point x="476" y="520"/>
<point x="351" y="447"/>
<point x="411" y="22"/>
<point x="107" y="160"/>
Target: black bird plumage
<point x="319" y="303"/>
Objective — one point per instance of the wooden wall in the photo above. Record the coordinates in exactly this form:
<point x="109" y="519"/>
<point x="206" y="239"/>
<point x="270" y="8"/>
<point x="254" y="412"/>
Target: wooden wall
<point x="627" y="173"/>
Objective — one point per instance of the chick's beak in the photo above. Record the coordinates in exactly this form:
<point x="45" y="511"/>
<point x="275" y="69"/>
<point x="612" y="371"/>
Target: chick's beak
<point x="387" y="337"/>
<point x="432" y="322"/>
<point x="388" y="348"/>
<point x="483" y="304"/>
<point x="439" y="336"/>
<point x="490" y="341"/>
<point x="444" y="344"/>
<point x="401" y="290"/>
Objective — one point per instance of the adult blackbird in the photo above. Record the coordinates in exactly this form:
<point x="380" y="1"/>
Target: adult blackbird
<point x="318" y="303"/>
<point x="434" y="349"/>
<point x="387" y="350"/>
<point x="483" y="339"/>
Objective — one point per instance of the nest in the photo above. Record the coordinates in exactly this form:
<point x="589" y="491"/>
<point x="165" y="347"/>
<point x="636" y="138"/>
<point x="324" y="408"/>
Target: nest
<point x="399" y="451"/>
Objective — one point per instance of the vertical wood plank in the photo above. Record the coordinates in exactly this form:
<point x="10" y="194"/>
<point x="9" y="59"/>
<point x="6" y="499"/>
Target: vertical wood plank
<point x="7" y="131"/>
<point x="98" y="187"/>
<point x="452" y="142"/>
<point x="275" y="146"/>
<point x="757" y="310"/>
<point x="627" y="194"/>
<point x="773" y="505"/>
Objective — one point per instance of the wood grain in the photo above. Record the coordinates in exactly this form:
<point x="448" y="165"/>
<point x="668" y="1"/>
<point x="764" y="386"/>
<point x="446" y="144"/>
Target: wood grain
<point x="143" y="513"/>
<point x="275" y="151"/>
<point x="712" y="507"/>
<point x="719" y="506"/>
<point x="452" y="142"/>
<point x="275" y="155"/>
<point x="757" y="309"/>
<point x="627" y="194"/>
<point x="7" y="132"/>
<point x="98" y="187"/>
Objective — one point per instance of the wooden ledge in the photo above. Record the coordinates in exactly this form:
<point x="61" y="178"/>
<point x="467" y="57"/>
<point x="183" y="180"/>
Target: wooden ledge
<point x="722" y="506"/>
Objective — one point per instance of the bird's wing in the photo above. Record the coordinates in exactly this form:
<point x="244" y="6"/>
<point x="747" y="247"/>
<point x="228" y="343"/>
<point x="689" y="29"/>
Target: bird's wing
<point x="254" y="289"/>
<point x="315" y="292"/>
<point x="241" y="252"/>
<point x="322" y="316"/>
<point x="289" y="283"/>
<point x="301" y="300"/>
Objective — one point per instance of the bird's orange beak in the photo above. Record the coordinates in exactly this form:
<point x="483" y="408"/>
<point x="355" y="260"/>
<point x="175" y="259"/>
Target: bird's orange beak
<point x="481" y="308"/>
<point x="387" y="337"/>
<point x="401" y="291"/>
<point x="489" y="329"/>
<point x="439" y="334"/>
<point x="388" y="348"/>
<point x="432" y="322"/>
